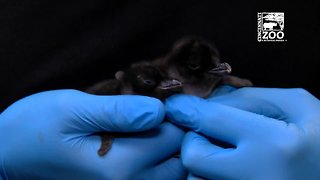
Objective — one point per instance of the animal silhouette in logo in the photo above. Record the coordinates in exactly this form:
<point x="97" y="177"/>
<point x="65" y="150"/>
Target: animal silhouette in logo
<point x="269" y="25"/>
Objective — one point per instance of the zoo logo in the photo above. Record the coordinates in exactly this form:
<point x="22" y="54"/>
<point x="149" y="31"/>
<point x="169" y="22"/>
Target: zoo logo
<point x="271" y="26"/>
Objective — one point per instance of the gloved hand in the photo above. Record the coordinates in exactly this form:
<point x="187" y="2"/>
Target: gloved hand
<point x="50" y="136"/>
<point x="276" y="134"/>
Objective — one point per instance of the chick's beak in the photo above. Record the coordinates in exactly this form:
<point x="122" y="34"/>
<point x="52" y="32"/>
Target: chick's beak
<point x="223" y="68"/>
<point x="170" y="84"/>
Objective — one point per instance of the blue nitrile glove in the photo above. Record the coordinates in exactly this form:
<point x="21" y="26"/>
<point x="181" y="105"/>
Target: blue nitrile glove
<point x="49" y="136"/>
<point x="276" y="134"/>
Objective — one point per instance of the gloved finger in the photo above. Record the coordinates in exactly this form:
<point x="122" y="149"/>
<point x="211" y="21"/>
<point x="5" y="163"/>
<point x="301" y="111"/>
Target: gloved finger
<point x="222" y="90"/>
<point x="201" y="157"/>
<point x="251" y="104"/>
<point x="215" y="120"/>
<point x="122" y="113"/>
<point x="169" y="169"/>
<point x="138" y="151"/>
<point x="284" y="104"/>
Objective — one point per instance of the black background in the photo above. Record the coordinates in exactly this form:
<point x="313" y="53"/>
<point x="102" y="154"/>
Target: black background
<point x="71" y="44"/>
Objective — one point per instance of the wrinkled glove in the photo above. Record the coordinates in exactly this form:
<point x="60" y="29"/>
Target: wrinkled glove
<point x="275" y="133"/>
<point x="51" y="135"/>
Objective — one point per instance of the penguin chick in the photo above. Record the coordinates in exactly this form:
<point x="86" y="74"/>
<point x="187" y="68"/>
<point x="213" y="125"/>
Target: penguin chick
<point x="140" y="79"/>
<point x="196" y="63"/>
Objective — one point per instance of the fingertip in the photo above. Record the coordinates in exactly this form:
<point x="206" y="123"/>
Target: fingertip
<point x="189" y="149"/>
<point x="195" y="147"/>
<point x="181" y="109"/>
<point x="148" y="112"/>
<point x="201" y="157"/>
<point x="135" y="113"/>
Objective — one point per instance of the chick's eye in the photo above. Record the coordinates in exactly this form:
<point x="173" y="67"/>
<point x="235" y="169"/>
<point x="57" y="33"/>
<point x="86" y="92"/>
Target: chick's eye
<point x="193" y="66"/>
<point x="145" y="81"/>
<point x="148" y="82"/>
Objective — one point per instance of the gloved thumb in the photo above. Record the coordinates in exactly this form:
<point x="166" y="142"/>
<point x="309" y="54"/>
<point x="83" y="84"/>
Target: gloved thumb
<point x="85" y="113"/>
<point x="122" y="113"/>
